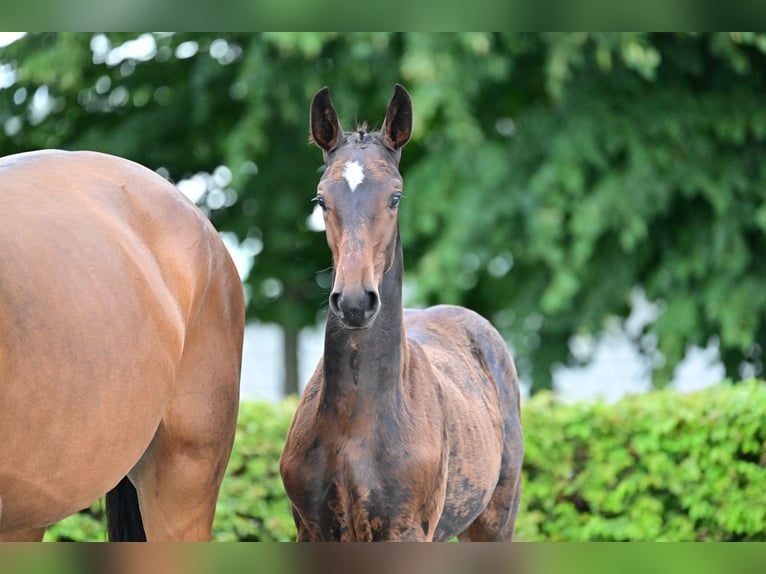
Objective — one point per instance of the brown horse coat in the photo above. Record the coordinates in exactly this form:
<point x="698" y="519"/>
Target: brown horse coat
<point x="409" y="428"/>
<point x="121" y="324"/>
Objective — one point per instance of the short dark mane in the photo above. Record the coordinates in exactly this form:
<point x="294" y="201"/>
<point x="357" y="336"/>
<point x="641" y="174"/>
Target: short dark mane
<point x="362" y="135"/>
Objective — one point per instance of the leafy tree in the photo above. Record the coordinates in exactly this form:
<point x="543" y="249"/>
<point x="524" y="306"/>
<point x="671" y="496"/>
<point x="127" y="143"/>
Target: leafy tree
<point x="643" y="168"/>
<point x="549" y="177"/>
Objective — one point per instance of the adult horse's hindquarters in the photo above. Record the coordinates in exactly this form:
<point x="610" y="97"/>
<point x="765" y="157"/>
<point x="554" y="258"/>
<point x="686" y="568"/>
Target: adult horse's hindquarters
<point x="121" y="324"/>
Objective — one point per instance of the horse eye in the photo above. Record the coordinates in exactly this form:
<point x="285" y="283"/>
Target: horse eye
<point x="394" y="201"/>
<point x="320" y="200"/>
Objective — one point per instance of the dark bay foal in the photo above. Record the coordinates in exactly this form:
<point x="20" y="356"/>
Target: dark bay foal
<point x="409" y="428"/>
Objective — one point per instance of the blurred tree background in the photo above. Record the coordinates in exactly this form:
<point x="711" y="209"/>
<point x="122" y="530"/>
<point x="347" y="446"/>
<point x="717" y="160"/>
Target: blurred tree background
<point x="551" y="177"/>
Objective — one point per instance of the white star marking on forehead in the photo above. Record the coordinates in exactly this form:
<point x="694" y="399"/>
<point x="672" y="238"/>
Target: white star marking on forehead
<point x="353" y="173"/>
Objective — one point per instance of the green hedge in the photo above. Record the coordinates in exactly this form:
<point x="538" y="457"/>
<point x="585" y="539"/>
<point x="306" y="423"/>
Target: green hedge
<point x="658" y="466"/>
<point x="253" y="505"/>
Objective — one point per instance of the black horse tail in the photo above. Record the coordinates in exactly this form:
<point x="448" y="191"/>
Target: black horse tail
<point x="123" y="516"/>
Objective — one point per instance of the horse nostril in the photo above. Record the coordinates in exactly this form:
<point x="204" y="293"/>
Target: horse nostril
<point x="335" y="303"/>
<point x="373" y="302"/>
<point x="355" y="307"/>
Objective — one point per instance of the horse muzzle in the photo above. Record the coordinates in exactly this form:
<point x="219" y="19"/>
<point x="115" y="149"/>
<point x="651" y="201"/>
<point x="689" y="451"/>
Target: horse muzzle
<point x="356" y="308"/>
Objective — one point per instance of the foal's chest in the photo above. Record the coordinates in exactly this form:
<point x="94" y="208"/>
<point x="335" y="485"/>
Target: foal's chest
<point x="365" y="491"/>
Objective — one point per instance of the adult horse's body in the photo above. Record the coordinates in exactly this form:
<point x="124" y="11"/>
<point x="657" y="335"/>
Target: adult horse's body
<point x="121" y="323"/>
<point x="409" y="428"/>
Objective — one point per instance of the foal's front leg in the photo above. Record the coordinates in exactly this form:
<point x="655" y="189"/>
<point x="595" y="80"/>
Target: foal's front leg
<point x="304" y="534"/>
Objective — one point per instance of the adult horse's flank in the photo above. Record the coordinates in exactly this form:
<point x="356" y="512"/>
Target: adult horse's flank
<point x="409" y="428"/>
<point x="121" y="324"/>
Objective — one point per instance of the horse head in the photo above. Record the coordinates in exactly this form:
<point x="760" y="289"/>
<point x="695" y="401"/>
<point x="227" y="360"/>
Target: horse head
<point x="359" y="194"/>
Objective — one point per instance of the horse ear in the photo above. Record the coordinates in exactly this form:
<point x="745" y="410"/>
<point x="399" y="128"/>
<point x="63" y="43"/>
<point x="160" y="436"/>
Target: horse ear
<point x="325" y="126"/>
<point x="397" y="127"/>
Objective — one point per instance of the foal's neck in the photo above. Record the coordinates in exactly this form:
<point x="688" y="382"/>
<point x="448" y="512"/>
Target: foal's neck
<point x="368" y="362"/>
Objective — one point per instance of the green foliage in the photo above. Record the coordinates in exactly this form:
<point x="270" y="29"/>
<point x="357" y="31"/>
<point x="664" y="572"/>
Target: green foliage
<point x="656" y="467"/>
<point x="89" y="525"/>
<point x="549" y="175"/>
<point x="252" y="505"/>
<point x="663" y="466"/>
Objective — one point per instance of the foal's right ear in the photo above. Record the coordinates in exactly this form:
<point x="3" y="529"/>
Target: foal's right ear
<point x="325" y="126"/>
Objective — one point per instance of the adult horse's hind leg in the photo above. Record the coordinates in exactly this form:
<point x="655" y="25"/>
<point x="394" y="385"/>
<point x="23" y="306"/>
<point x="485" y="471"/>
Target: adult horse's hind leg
<point x="178" y="481"/>
<point x="179" y="477"/>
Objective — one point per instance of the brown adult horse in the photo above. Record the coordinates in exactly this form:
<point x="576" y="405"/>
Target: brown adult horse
<point x="409" y="428"/>
<point x="121" y="324"/>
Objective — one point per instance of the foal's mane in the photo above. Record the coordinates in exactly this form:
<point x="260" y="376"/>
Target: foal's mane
<point x="360" y="135"/>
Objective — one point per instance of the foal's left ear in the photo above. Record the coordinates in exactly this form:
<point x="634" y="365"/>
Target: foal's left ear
<point x="397" y="128"/>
